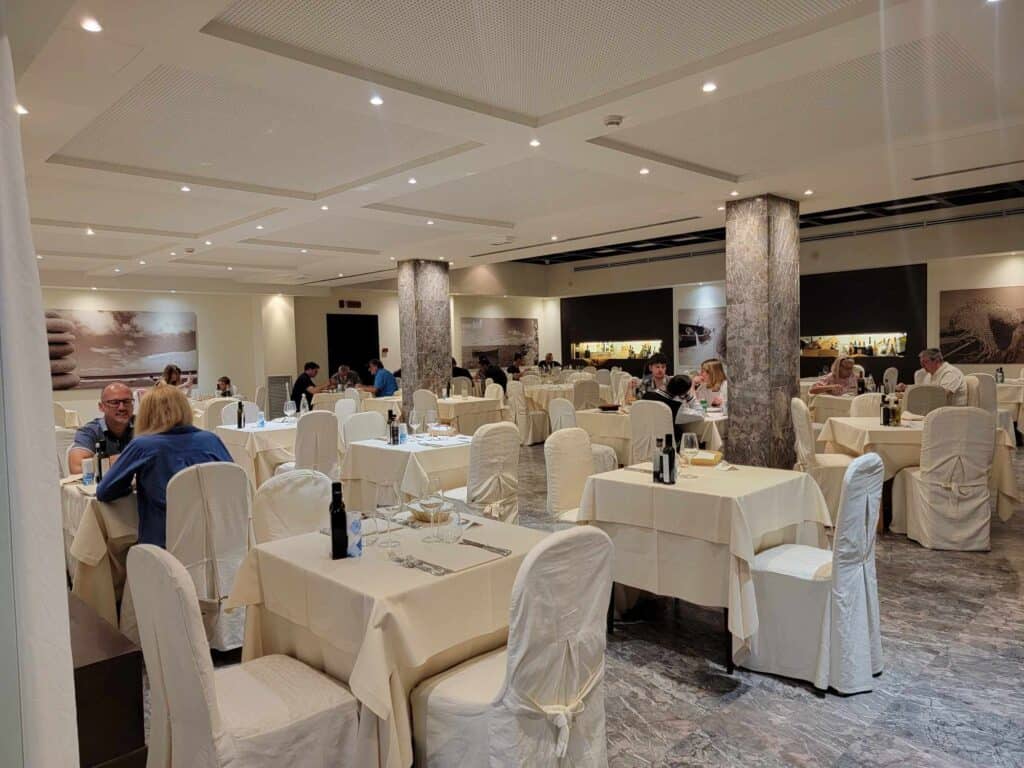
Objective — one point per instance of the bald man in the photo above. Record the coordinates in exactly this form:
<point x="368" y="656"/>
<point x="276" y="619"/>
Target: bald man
<point x="114" y="427"/>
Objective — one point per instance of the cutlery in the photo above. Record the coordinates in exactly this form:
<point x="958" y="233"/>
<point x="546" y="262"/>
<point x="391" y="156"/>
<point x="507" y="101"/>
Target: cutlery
<point x="496" y="550"/>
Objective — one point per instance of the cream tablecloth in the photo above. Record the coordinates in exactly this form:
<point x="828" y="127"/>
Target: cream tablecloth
<point x="377" y="626"/>
<point x="539" y="395"/>
<point x="370" y="463"/>
<point x="325" y="401"/>
<point x="613" y="429"/>
<point x="468" y="414"/>
<point x="824" y="408"/>
<point x="258" y="450"/>
<point x="695" y="540"/>
<point x="900" y="447"/>
<point x="382" y="404"/>
<point x="1010" y="396"/>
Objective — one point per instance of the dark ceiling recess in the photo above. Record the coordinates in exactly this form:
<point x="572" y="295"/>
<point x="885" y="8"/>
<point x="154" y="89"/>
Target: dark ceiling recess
<point x="954" y="199"/>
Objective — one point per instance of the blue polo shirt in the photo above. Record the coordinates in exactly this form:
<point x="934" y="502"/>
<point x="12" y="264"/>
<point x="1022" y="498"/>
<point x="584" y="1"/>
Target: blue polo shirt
<point x="152" y="460"/>
<point x="385" y="383"/>
<point x="95" y="431"/>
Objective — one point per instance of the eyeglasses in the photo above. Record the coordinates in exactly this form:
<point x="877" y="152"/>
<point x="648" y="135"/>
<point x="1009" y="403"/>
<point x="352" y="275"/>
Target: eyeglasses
<point x="116" y="403"/>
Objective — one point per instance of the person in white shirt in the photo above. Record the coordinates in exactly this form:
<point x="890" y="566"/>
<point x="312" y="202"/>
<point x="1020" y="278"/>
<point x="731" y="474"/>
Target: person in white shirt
<point x="711" y="384"/>
<point x="940" y="373"/>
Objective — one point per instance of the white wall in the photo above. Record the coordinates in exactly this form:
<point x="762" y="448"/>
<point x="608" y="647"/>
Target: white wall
<point x="693" y="296"/>
<point x="546" y="311"/>
<point x="311" y="325"/>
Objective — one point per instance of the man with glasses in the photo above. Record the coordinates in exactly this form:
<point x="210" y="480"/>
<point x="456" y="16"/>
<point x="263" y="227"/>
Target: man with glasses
<point x="114" y="428"/>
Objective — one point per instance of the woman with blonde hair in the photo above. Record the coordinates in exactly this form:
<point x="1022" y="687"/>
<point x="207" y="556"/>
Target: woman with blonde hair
<point x="165" y="443"/>
<point x="841" y="380"/>
<point x="711" y="384"/>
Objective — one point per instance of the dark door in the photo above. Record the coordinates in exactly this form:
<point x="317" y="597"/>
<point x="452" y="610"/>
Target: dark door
<point x="352" y="340"/>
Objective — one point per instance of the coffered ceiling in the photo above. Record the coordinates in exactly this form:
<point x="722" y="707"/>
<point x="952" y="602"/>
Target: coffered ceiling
<point x="276" y="145"/>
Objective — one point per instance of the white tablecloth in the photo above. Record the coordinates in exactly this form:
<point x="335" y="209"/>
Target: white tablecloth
<point x="258" y="450"/>
<point x="468" y="414"/>
<point x="900" y="447"/>
<point x="325" y="401"/>
<point x="614" y="430"/>
<point x="377" y="626"/>
<point x="1010" y="396"/>
<point x="539" y="395"/>
<point x="383" y="404"/>
<point x="824" y="408"/>
<point x="370" y="463"/>
<point x="695" y="540"/>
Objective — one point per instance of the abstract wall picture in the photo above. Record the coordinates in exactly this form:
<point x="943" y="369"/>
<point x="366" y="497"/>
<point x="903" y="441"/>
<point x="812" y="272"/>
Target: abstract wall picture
<point x="982" y="325"/>
<point x="500" y="338"/>
<point x="701" y="335"/>
<point x="89" y="348"/>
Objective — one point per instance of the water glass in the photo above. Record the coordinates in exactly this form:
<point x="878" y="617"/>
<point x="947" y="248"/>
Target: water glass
<point x="289" y="408"/>
<point x="432" y="503"/>
<point x="387" y="508"/>
<point x="432" y="422"/>
<point x="690" y="447"/>
<point x="415" y="421"/>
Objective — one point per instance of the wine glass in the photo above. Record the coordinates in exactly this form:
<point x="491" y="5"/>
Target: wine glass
<point x="289" y="408"/>
<point x="415" y="421"/>
<point x="431" y="503"/>
<point x="432" y="422"/>
<point x="690" y="447"/>
<point x="389" y="504"/>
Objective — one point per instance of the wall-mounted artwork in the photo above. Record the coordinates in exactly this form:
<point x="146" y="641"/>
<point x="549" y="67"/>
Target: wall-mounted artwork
<point x="499" y="338"/>
<point x="701" y="335"/>
<point x="982" y="325"/>
<point x="89" y="348"/>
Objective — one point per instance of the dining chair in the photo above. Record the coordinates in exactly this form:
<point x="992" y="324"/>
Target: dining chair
<point x="944" y="503"/>
<point x="363" y="426"/>
<point x="922" y="399"/>
<point x="260" y="398"/>
<point x="648" y="420"/>
<point x="345" y="408"/>
<point x="827" y="469"/>
<point x="461" y="385"/>
<point x="919" y="375"/>
<point x="229" y="412"/>
<point x="568" y="461"/>
<point x="891" y="378"/>
<point x="60" y="415"/>
<point x="290" y="504"/>
<point x="586" y="393"/>
<point x="268" y="712"/>
<point x="533" y="425"/>
<point x="530" y="380"/>
<point x="423" y="400"/>
<point x="603" y="376"/>
<point x="493" y="480"/>
<point x="213" y="412"/>
<point x="868" y="404"/>
<point x="590" y="369"/>
<point x="494" y="391"/>
<point x="561" y="413"/>
<point x="817" y="610"/>
<point x="539" y="701"/>
<point x="316" y="445"/>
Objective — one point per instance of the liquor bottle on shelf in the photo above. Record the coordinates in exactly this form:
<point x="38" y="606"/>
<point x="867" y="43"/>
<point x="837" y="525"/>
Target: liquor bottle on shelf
<point x="339" y="524"/>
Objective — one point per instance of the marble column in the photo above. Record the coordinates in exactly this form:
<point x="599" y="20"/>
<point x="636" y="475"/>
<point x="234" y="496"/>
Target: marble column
<point x="425" y="327"/>
<point x="762" y="287"/>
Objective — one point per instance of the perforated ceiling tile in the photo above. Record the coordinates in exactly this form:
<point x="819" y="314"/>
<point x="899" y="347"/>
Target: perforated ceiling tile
<point x="532" y="57"/>
<point x="923" y="87"/>
<point x="184" y="122"/>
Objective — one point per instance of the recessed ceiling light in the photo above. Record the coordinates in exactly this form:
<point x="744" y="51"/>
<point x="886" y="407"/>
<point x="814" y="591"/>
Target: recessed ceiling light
<point x="117" y="269"/>
<point x="304" y="250"/>
<point x="808" y="192"/>
<point x="173" y="291"/>
<point x="259" y="226"/>
<point x="700" y="283"/>
<point x="991" y="1"/>
<point x="20" y="109"/>
<point x="142" y="263"/>
<point x="209" y="242"/>
<point x="430" y="221"/>
<point x="412" y="179"/>
<point x="644" y="171"/>
<point x="186" y="188"/>
<point x="341" y="274"/>
<point x="554" y="237"/>
<point x="376" y="101"/>
<point x="89" y="231"/>
<point x="324" y="208"/>
<point x="280" y="294"/>
<point x="230" y="268"/>
<point x="734" y="193"/>
<point x="391" y="257"/>
<point x="94" y="288"/>
<point x="709" y="87"/>
<point x="89" y="24"/>
<point x="534" y="142"/>
<point x="39" y="257"/>
<point x="174" y="253"/>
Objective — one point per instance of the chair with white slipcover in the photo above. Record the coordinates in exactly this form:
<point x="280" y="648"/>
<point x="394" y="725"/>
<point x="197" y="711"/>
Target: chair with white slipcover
<point x="603" y="376"/>
<point x="868" y="404"/>
<point x="343" y="409"/>
<point x="922" y="399"/>
<point x="316" y="445"/>
<point x="586" y="393"/>
<point x="355" y="395"/>
<point x="533" y="425"/>
<point x="591" y="369"/>
<point x="493" y="481"/>
<point x="60" y="415"/>
<point x="973" y="390"/>
<point x="988" y="400"/>
<point x="270" y="711"/>
<point x="462" y="385"/>
<point x="65" y="442"/>
<point x="530" y="379"/>
<point x="827" y="469"/>
<point x="648" y="420"/>
<point x="494" y="391"/>
<point x="817" y="610"/>
<point x="919" y="375"/>
<point x="213" y="412"/>
<point x="364" y="426"/>
<point x="620" y="386"/>
<point x="424" y="401"/>
<point x="260" y="398"/>
<point x="890" y="378"/>
<point x="823" y="407"/>
<point x="573" y="376"/>
<point x="539" y="701"/>
<point x="568" y="461"/>
<point x="229" y="412"/>
<point x="291" y="504"/>
<point x="561" y="413"/>
<point x="944" y="503"/>
<point x="859" y="370"/>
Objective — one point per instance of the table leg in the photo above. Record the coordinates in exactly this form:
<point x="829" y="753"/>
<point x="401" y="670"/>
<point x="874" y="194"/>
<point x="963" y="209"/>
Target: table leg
<point x="729" y="668"/>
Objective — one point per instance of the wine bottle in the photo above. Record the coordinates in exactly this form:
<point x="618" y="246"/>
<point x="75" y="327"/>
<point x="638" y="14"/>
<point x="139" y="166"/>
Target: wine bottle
<point x="101" y="454"/>
<point x="339" y="524"/>
<point x="668" y="461"/>
<point x="241" y="415"/>
<point x="656" y="459"/>
<point x="392" y="429"/>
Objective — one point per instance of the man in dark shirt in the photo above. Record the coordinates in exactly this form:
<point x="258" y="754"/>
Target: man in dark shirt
<point x="515" y="370"/>
<point x="457" y="371"/>
<point x="113" y="429"/>
<point x="304" y="385"/>
<point x="549" y="362"/>
<point x="488" y="370"/>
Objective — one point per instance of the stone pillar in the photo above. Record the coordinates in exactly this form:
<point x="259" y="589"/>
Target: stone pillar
<point x="762" y="288"/>
<point x="425" y="327"/>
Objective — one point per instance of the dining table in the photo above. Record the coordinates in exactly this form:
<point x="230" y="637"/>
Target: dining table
<point x="259" y="450"/>
<point x="613" y="428"/>
<point x="1010" y="397"/>
<point x="468" y="413"/>
<point x="380" y="625"/>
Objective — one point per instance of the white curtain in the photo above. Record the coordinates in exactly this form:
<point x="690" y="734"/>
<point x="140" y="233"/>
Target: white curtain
<point x="28" y="481"/>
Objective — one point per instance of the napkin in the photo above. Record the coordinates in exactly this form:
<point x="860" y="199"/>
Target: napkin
<point x="725" y="466"/>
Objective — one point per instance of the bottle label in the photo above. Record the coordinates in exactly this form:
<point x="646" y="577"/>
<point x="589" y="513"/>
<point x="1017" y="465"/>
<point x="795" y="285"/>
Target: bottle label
<point x="355" y="534"/>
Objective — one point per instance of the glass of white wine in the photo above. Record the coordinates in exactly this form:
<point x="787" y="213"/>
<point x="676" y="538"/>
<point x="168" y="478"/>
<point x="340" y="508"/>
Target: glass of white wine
<point x="689" y="447"/>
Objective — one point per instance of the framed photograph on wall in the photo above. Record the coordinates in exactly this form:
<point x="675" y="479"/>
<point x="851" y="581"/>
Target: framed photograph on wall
<point x="701" y="336"/>
<point x="982" y="325"/>
<point x="499" y="338"/>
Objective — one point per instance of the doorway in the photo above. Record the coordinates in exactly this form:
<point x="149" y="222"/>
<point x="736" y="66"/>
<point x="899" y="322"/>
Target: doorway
<point x="352" y="340"/>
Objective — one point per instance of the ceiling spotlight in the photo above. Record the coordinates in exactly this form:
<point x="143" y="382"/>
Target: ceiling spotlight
<point x="430" y="221"/>
<point x="94" y="288"/>
<point x="173" y="291"/>
<point x="392" y="258"/>
<point x="142" y="263"/>
<point x="808" y="192"/>
<point x="89" y="24"/>
<point x="644" y="171"/>
<point x="230" y="268"/>
<point x="209" y="242"/>
<point x="734" y="193"/>
<point x="303" y="250"/>
<point x="341" y="274"/>
<point x="259" y="226"/>
<point x="89" y="231"/>
<point x="709" y="87"/>
<point x="721" y="207"/>
<point x="554" y="237"/>
<point x="174" y="253"/>
<point x="39" y="257"/>
<point x="20" y="109"/>
<point x="412" y="179"/>
<point x="324" y="208"/>
<point x="534" y="143"/>
<point x="117" y="269"/>
<point x="376" y="101"/>
<point x="186" y="188"/>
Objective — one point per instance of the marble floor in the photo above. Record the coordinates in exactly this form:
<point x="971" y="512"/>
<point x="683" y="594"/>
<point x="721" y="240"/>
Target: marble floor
<point x="953" y="638"/>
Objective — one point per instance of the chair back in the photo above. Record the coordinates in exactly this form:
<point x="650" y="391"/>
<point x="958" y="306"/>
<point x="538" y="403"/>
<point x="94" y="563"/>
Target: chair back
<point x="573" y="376"/>
<point x="344" y="408"/>
<point x="229" y="412"/>
<point x="586" y="393"/>
<point x="591" y="369"/>
<point x="620" y="386"/>
<point x="364" y="426"/>
<point x="824" y="407"/>
<point x="355" y="395"/>
<point x="973" y="394"/>
<point x="60" y="415"/>
<point x="957" y="446"/>
<point x="65" y="442"/>
<point x="648" y="420"/>
<point x="517" y="398"/>
<point x="868" y="404"/>
<point x="891" y="378"/>
<point x="260" y="398"/>
<point x="316" y="443"/>
<point x="859" y="502"/>
<point x="291" y="504"/>
<point x="529" y="379"/>
<point x="859" y="370"/>
<point x="919" y="375"/>
<point x="568" y="463"/>
<point x="494" y="391"/>
<point x="213" y="412"/>
<point x="181" y="679"/>
<point x="985" y="392"/>
<point x="461" y="385"/>
<point x="804" y="434"/>
<point x="424" y="400"/>
<point x="603" y="376"/>
<point x="494" y="469"/>
<point x="556" y="644"/>
<point x="922" y="399"/>
<point x="562" y="414"/>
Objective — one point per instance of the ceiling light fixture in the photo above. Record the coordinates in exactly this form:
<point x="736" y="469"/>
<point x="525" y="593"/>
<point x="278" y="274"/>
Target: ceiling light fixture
<point x="94" y="288"/>
<point x="391" y="257"/>
<point x="39" y="257"/>
<point x="173" y="291"/>
<point x="734" y="193"/>
<point x="808" y="192"/>
<point x="534" y="143"/>
<point x="554" y="237"/>
<point x="644" y="171"/>
<point x="376" y="100"/>
<point x="142" y="263"/>
<point x="209" y="242"/>
<point x="174" y="253"/>
<point x="304" y="250"/>
<point x="20" y="109"/>
<point x="186" y="188"/>
<point x="259" y="226"/>
<point x="412" y="179"/>
<point x="89" y="231"/>
<point x="89" y="24"/>
<point x="230" y="268"/>
<point x="709" y="87"/>
<point x="341" y="274"/>
<point x="117" y="269"/>
<point x="721" y="207"/>
<point x="430" y="221"/>
<point x="324" y="208"/>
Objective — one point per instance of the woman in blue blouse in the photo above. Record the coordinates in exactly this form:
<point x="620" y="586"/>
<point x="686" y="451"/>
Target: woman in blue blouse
<point x="165" y="443"/>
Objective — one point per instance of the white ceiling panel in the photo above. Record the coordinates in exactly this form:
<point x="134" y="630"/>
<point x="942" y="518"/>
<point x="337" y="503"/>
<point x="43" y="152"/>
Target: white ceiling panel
<point x="52" y="263"/>
<point x="75" y="241"/>
<point x="184" y="122"/>
<point x="349" y="232"/>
